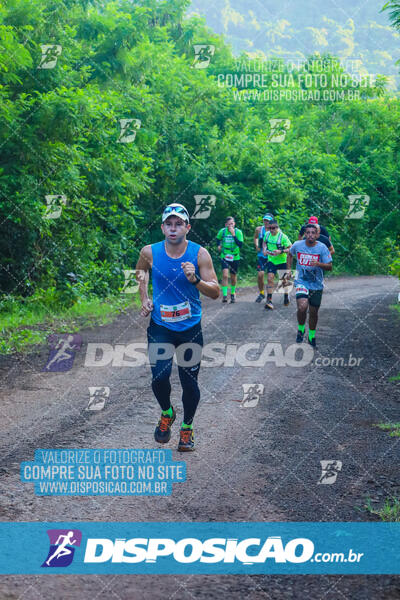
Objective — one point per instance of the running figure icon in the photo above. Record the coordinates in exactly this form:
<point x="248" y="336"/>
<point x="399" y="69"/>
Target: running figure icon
<point x="62" y="351"/>
<point x="63" y="348"/>
<point x="62" y="549"/>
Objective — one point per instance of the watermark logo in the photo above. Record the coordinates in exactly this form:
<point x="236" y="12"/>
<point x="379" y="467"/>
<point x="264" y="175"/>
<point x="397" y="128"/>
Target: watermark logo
<point x="202" y="55"/>
<point x="62" y="547"/>
<point x="329" y="471"/>
<point x="309" y="80"/>
<point x="54" y="206"/>
<point x="63" y="348"/>
<point x="337" y="361"/>
<point x="251" y="394"/>
<point x="50" y="54"/>
<point x="193" y="550"/>
<point x="213" y="355"/>
<point x="132" y="279"/>
<point x="104" y="472"/>
<point x="98" y="397"/>
<point x="204" y="204"/>
<point x="285" y="283"/>
<point x="129" y="129"/>
<point x="279" y="129"/>
<point x="357" y="206"/>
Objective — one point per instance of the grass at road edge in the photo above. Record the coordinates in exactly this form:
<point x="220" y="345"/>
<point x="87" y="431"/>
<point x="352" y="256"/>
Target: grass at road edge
<point x="24" y="325"/>
<point x="390" y="511"/>
<point x="394" y="428"/>
<point x="27" y="322"/>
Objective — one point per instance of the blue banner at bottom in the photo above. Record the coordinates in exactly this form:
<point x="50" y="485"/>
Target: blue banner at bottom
<point x="200" y="548"/>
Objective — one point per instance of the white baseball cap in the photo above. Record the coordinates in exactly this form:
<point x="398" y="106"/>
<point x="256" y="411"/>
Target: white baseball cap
<point x="177" y="210"/>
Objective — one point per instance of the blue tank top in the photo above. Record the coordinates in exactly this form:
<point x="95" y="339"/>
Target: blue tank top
<point x="260" y="240"/>
<point x="176" y="301"/>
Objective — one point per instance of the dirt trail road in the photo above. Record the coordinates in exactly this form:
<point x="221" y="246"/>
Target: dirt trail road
<point x="259" y="463"/>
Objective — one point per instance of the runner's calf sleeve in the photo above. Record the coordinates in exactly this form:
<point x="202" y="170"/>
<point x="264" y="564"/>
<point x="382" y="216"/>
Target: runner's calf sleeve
<point x="233" y="289"/>
<point x="224" y="290"/>
<point x="302" y="328"/>
<point x="190" y="391"/>
<point x="311" y="334"/>
<point x="162" y="390"/>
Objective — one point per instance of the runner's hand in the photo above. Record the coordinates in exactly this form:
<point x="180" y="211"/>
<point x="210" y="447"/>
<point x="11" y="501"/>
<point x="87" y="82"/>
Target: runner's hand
<point x="190" y="270"/>
<point x="314" y="263"/>
<point x="219" y="248"/>
<point x="231" y="229"/>
<point x="146" y="309"/>
<point x="276" y="252"/>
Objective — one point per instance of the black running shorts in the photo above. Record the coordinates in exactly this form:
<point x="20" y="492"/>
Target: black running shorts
<point x="232" y="265"/>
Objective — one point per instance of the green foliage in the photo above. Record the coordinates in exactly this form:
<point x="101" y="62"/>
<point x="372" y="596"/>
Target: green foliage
<point x="393" y="6"/>
<point x="135" y="60"/>
<point x="298" y="29"/>
<point x="395" y="264"/>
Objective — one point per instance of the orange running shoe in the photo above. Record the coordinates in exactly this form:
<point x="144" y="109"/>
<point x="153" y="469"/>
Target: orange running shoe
<point x="162" y="433"/>
<point x="186" y="441"/>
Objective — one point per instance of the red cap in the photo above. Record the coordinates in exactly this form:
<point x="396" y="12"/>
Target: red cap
<point x="313" y="220"/>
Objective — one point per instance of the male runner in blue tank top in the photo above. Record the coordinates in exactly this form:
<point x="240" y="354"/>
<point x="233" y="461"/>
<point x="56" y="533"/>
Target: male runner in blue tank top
<point x="180" y="270"/>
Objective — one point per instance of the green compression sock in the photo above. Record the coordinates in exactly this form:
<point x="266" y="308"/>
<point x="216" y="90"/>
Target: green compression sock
<point x="302" y="328"/>
<point x="224" y="290"/>
<point x="233" y="289"/>
<point x="184" y="426"/>
<point x="311" y="334"/>
<point x="168" y="413"/>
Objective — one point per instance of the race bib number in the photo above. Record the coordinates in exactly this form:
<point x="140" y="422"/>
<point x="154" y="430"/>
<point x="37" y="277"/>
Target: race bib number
<point x="300" y="289"/>
<point x="305" y="259"/>
<point x="175" y="312"/>
<point x="229" y="257"/>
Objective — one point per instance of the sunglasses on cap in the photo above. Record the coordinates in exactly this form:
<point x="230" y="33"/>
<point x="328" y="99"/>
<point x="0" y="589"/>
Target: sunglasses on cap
<point x="175" y="210"/>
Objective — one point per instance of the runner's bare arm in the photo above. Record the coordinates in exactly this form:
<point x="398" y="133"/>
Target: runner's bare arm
<point x="264" y="248"/>
<point x="209" y="282"/>
<point x="321" y="265"/>
<point x="289" y="261"/>
<point x="143" y="267"/>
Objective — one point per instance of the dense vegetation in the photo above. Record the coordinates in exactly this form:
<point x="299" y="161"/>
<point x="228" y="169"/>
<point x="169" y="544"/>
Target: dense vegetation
<point x="60" y="135"/>
<point x="295" y="29"/>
